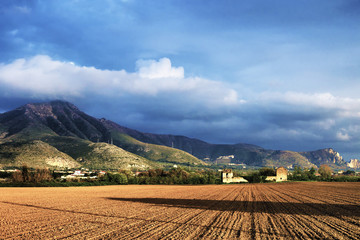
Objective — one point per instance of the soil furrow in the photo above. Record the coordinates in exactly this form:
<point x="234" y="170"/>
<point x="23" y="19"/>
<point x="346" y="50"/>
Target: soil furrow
<point x="310" y="210"/>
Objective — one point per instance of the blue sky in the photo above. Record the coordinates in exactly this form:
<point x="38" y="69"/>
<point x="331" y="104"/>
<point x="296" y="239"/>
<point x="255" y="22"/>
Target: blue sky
<point x="280" y="74"/>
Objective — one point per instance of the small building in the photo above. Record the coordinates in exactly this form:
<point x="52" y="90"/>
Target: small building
<point x="270" y="178"/>
<point x="78" y="173"/>
<point x="227" y="176"/>
<point x="281" y="175"/>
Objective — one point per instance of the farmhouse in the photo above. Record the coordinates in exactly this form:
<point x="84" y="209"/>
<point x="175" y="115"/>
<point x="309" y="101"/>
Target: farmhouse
<point x="281" y="175"/>
<point x="227" y="176"/>
<point x="78" y="174"/>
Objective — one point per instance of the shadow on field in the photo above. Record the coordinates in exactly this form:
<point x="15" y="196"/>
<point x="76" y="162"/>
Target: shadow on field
<point x="335" y="210"/>
<point x="315" y="209"/>
<point x="143" y="219"/>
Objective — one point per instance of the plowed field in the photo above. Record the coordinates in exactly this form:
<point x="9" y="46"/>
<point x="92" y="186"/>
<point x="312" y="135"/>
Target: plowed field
<point x="246" y="211"/>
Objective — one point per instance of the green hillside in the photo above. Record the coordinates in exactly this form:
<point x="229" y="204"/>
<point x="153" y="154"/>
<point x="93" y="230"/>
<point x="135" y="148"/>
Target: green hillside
<point x="157" y="153"/>
<point x="287" y="158"/>
<point x="32" y="132"/>
<point x="99" y="155"/>
<point x="35" y="154"/>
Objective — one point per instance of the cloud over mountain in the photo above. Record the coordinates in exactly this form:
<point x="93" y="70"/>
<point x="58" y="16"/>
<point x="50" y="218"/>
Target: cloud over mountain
<point x="45" y="77"/>
<point x="159" y="97"/>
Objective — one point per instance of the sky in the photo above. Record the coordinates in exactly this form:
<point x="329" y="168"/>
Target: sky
<point x="281" y="74"/>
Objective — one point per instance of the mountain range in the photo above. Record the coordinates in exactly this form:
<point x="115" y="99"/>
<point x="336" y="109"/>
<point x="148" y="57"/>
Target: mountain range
<point x="57" y="134"/>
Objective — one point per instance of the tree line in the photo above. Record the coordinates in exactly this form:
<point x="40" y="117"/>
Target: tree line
<point x="161" y="176"/>
<point x="39" y="177"/>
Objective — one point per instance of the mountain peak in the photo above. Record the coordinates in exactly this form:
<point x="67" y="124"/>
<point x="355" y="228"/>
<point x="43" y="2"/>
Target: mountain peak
<point x="63" y="103"/>
<point x="49" y="105"/>
<point x="42" y="112"/>
<point x="325" y="156"/>
<point x="60" y="117"/>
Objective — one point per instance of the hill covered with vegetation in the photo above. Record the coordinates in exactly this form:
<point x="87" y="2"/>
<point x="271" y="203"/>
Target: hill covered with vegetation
<point x="35" y="133"/>
<point x="61" y="131"/>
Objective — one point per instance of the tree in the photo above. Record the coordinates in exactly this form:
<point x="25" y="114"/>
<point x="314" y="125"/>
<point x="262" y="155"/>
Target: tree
<point x="297" y="171"/>
<point x="26" y="173"/>
<point x="267" y="171"/>
<point x="311" y="174"/>
<point x="120" y="178"/>
<point x="312" y="171"/>
<point x="23" y="175"/>
<point x="349" y="172"/>
<point x="17" y="176"/>
<point x="325" y="171"/>
<point x="298" y="174"/>
<point x="255" y="177"/>
<point x="42" y="175"/>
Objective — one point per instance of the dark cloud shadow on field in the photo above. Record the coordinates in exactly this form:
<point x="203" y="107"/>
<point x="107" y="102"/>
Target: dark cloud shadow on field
<point x="314" y="209"/>
<point x="146" y="220"/>
<point x="335" y="210"/>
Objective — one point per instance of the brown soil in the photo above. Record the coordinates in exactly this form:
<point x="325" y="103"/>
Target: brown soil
<point x="247" y="211"/>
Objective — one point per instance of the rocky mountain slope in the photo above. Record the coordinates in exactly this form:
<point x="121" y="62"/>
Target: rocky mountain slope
<point x="99" y="142"/>
<point x="240" y="153"/>
<point x="354" y="163"/>
<point x="325" y="156"/>
<point x="83" y="138"/>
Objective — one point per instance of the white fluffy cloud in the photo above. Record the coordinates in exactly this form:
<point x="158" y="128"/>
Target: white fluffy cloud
<point x="341" y="106"/>
<point x="43" y="76"/>
<point x="159" y="69"/>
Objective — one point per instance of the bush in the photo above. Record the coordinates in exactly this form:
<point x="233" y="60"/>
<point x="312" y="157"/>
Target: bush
<point x="117" y="178"/>
<point x="5" y="175"/>
<point x="325" y="171"/>
<point x="267" y="171"/>
<point x="303" y="174"/>
<point x="255" y="177"/>
<point x="345" y="178"/>
<point x="349" y="172"/>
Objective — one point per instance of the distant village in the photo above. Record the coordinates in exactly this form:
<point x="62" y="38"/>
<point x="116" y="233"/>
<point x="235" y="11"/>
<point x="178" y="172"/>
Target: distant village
<point x="229" y="173"/>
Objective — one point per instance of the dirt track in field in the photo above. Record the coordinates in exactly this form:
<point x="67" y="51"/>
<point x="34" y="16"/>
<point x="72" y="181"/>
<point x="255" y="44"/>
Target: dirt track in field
<point x="246" y="211"/>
